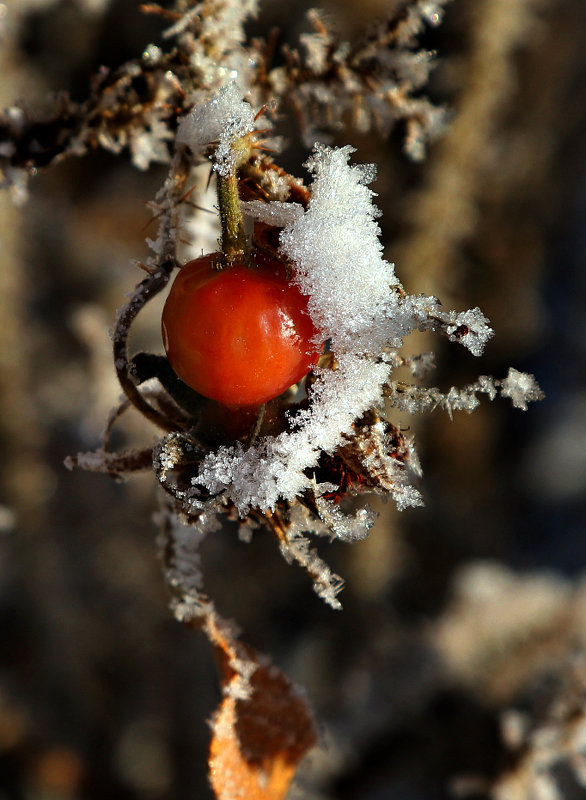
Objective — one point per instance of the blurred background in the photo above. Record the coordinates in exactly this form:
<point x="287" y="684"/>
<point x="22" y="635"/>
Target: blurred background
<point x="464" y="623"/>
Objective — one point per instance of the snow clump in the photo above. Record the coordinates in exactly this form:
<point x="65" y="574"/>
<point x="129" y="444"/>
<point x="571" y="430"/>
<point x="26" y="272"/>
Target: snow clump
<point x="338" y="255"/>
<point x="222" y="118"/>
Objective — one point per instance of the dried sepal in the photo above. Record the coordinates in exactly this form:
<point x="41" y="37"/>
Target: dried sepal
<point x="376" y="458"/>
<point x="380" y="452"/>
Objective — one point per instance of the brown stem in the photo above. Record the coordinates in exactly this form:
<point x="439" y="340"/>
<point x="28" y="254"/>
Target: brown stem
<point x="142" y="294"/>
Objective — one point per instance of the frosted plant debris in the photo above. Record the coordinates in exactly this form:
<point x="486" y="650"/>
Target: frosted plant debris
<point x="261" y="475"/>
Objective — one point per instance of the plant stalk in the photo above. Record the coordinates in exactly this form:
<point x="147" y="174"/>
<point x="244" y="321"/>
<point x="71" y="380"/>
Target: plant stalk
<point x="234" y="241"/>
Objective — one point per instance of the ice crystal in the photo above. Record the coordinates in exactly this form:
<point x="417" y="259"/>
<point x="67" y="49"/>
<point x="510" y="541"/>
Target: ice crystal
<point x="276" y="213"/>
<point x="221" y="118"/>
<point x="521" y="388"/>
<point x="470" y="328"/>
<point x="349" y="527"/>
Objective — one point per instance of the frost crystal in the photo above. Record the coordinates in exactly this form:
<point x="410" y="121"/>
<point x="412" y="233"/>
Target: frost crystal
<point x="222" y="118"/>
<point x="470" y="328"/>
<point x="149" y="146"/>
<point x="521" y="388"/>
<point x="344" y="526"/>
<point x="275" y="213"/>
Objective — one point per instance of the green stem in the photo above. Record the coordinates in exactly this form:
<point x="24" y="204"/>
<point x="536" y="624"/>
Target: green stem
<point x="234" y="242"/>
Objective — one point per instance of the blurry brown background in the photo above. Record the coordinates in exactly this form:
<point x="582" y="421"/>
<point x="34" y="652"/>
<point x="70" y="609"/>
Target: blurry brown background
<point x="453" y="614"/>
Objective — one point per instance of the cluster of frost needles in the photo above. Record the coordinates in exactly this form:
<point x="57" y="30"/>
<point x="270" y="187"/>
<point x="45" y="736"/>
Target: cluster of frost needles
<point x="356" y="303"/>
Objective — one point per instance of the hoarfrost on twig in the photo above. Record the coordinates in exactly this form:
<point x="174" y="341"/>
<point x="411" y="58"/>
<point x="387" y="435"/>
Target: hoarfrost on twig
<point x="520" y="387"/>
<point x="179" y="546"/>
<point x="296" y="547"/>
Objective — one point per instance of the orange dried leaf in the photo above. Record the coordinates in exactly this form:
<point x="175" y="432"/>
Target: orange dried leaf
<point x="262" y="729"/>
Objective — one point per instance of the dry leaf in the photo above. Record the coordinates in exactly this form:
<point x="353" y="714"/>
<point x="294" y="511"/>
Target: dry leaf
<point x="263" y="727"/>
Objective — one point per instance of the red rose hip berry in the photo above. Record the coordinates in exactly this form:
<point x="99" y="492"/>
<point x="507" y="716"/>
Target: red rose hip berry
<point x="239" y="335"/>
